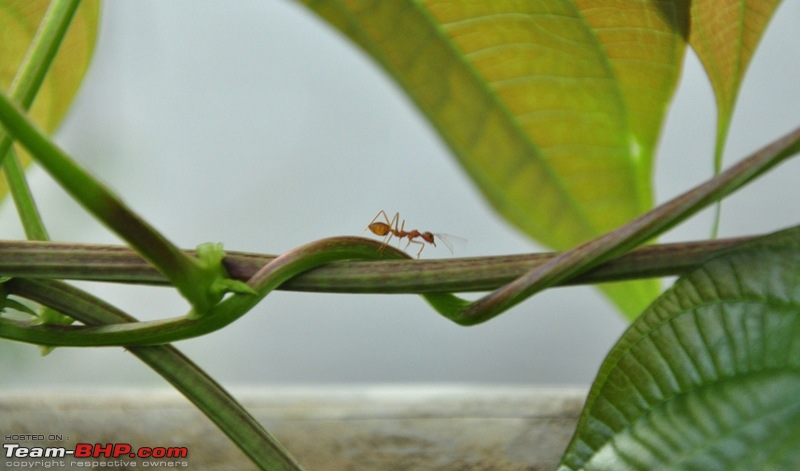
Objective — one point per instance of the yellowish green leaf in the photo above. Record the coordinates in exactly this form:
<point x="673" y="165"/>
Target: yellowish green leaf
<point x="553" y="107"/>
<point x="20" y="20"/>
<point x="724" y="34"/>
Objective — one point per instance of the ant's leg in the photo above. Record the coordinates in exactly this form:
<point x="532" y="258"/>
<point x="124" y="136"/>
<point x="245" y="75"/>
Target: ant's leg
<point x="388" y="222"/>
<point x="421" y="244"/>
<point x="402" y="233"/>
<point x="392" y="230"/>
<point x="385" y="217"/>
<point x="383" y="243"/>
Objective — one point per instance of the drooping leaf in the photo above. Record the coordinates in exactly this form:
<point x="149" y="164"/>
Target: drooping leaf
<point x="708" y="377"/>
<point x="20" y="20"/>
<point x="724" y="34"/>
<point x="553" y="107"/>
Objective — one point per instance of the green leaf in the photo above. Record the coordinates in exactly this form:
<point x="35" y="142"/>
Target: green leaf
<point x="215" y="276"/>
<point x="552" y="107"/>
<point x="51" y="316"/>
<point x="708" y="377"/>
<point x="724" y="34"/>
<point x="20" y="20"/>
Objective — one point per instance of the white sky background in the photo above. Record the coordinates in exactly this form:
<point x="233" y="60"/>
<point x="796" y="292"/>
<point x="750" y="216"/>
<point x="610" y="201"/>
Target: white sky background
<point x="254" y="124"/>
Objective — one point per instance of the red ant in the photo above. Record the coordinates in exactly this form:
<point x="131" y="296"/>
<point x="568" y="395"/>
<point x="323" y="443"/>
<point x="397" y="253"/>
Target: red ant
<point x="386" y="229"/>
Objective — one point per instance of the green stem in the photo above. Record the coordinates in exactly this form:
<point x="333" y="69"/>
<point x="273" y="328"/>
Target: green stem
<point x="23" y="199"/>
<point x="123" y="265"/>
<point x="178" y="370"/>
<point x="268" y="278"/>
<point x="23" y="90"/>
<point x="723" y="126"/>
<point x="191" y="279"/>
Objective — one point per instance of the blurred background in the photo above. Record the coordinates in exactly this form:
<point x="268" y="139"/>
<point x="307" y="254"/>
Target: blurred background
<point x="254" y="124"/>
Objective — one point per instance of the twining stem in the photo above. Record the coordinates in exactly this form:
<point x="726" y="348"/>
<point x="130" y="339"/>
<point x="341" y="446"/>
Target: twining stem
<point x="558" y="269"/>
<point x="123" y="265"/>
<point x="164" y="331"/>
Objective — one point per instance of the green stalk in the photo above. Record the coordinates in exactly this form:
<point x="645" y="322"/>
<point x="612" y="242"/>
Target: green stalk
<point x="23" y="90"/>
<point x="723" y="126"/>
<point x="23" y="199"/>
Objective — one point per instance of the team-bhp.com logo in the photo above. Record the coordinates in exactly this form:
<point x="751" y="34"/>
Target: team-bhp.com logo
<point x="94" y="450"/>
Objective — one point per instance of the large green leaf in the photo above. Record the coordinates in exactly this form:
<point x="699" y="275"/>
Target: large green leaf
<point x="724" y="34"/>
<point x="553" y="107"/>
<point x="19" y="20"/>
<point x="708" y="377"/>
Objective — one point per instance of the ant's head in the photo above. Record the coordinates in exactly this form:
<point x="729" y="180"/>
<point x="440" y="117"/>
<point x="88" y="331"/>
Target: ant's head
<point x="428" y="237"/>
